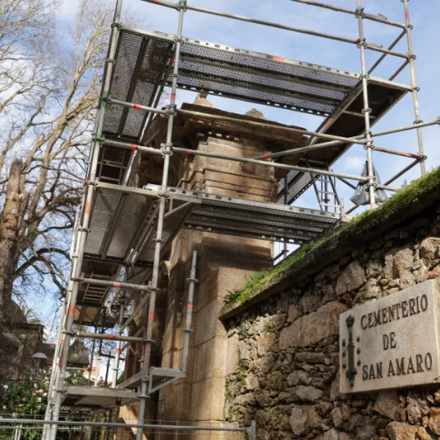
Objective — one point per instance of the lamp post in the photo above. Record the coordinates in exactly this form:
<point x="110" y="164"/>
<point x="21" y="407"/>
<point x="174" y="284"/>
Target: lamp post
<point x="38" y="357"/>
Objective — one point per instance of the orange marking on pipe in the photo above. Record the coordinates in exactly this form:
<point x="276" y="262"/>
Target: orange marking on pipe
<point x="72" y="310"/>
<point x="407" y="15"/>
<point x="151" y="317"/>
<point x="111" y="337"/>
<point x="137" y="106"/>
<point x="133" y="147"/>
<point x="281" y="59"/>
<point x="117" y="284"/>
<point x="190" y="306"/>
<point x="173" y="96"/>
<point x="88" y="208"/>
<point x="118" y="351"/>
<point x="267" y="156"/>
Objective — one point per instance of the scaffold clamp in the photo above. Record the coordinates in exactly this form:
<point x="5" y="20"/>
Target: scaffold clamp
<point x="182" y="5"/>
<point x="167" y="148"/>
<point x="359" y="12"/>
<point x="193" y="280"/>
<point x="171" y="109"/>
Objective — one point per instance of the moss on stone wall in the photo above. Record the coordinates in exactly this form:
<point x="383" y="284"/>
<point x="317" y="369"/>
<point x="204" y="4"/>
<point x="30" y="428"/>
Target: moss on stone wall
<point x="407" y="201"/>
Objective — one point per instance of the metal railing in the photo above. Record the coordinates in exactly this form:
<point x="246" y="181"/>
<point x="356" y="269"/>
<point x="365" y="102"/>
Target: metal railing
<point x="24" y="429"/>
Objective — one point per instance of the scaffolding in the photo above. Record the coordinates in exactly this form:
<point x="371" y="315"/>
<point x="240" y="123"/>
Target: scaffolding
<point x="122" y="232"/>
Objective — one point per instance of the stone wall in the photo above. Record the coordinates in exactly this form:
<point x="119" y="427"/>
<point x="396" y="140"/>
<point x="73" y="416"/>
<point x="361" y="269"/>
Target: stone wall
<point x="283" y="352"/>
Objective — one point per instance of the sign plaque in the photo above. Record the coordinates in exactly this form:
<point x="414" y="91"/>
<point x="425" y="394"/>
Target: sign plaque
<point x="392" y="342"/>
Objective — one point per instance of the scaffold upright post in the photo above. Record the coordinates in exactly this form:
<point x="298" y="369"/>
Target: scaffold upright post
<point x="189" y="308"/>
<point x="366" y="110"/>
<point x="142" y="389"/>
<point x="415" y="88"/>
<point x="84" y="223"/>
<point x="54" y="375"/>
<point x="118" y="349"/>
<point x="167" y="151"/>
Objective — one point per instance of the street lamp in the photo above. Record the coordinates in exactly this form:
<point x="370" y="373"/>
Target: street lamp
<point x="38" y="358"/>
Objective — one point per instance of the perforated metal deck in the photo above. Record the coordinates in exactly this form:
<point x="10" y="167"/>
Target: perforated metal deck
<point x="348" y="121"/>
<point x="197" y="210"/>
<point x="157" y="379"/>
<point x="142" y="60"/>
<point x="96" y="397"/>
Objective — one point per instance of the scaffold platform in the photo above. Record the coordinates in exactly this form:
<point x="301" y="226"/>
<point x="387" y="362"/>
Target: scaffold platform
<point x="97" y="397"/>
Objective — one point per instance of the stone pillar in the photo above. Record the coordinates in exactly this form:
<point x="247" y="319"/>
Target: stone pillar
<point x="224" y="263"/>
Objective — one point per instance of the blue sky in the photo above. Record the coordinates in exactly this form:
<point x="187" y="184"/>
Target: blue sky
<point x="319" y="51"/>
<point x="424" y="17"/>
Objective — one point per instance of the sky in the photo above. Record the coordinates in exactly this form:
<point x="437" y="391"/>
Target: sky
<point x="318" y="51"/>
<point x="325" y="52"/>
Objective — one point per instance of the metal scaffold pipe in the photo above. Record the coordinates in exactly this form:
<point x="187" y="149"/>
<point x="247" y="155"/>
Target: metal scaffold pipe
<point x="115" y="284"/>
<point x="132" y="147"/>
<point x="407" y="128"/>
<point x="85" y="221"/>
<point x="139" y="308"/>
<point x="5" y="421"/>
<point x="330" y="144"/>
<point x="269" y="164"/>
<point x="372" y="17"/>
<point x="266" y="125"/>
<point x="415" y="89"/>
<point x="189" y="309"/>
<point x="167" y="151"/>
<point x="282" y="26"/>
<point x="253" y="20"/>
<point x="366" y="110"/>
<point x="390" y="47"/>
<point x="117" y="351"/>
<point x="400" y="69"/>
<point x="402" y="172"/>
<point x="138" y="106"/>
<point x="104" y="337"/>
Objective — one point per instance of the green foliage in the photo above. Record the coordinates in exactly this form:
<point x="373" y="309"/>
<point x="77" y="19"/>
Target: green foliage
<point x="402" y="199"/>
<point x="27" y="396"/>
<point x="231" y="413"/>
<point x="77" y="379"/>
<point x="260" y="278"/>
<point x="280" y="383"/>
<point x="268" y="326"/>
<point x="241" y="375"/>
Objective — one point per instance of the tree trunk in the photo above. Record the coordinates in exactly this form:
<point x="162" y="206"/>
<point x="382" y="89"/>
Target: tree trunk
<point x="10" y="223"/>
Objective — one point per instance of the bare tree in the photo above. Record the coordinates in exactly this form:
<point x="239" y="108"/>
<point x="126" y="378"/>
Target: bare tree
<point x="49" y="89"/>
